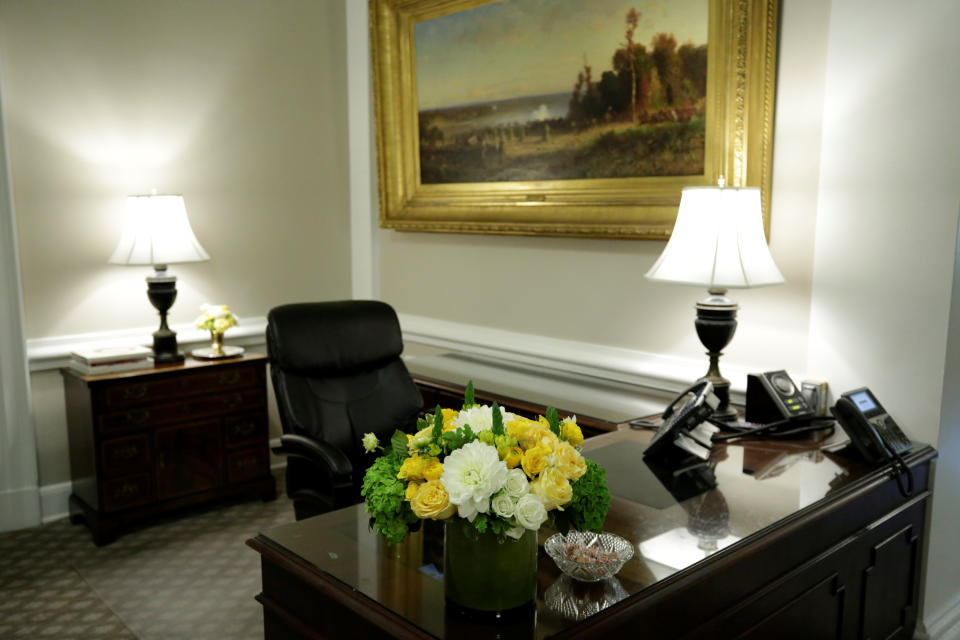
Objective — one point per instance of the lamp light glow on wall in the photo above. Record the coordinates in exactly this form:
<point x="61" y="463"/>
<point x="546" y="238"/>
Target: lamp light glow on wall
<point x="156" y="232"/>
<point x="718" y="243"/>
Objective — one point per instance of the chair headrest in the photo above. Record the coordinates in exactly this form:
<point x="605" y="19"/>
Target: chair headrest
<point x="320" y="337"/>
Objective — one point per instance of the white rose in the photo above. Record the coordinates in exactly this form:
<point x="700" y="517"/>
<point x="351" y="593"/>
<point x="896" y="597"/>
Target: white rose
<point x="515" y="532"/>
<point x="530" y="512"/>
<point x="503" y="505"/>
<point x="517" y="484"/>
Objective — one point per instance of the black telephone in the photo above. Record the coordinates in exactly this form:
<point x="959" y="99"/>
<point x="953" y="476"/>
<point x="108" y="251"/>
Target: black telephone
<point x="683" y="431"/>
<point x="871" y="429"/>
<point x="772" y="397"/>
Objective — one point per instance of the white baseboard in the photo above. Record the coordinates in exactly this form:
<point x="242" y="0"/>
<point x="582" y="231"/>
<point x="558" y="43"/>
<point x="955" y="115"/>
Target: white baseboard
<point x="945" y="625"/>
<point x="54" y="352"/>
<point x="55" y="501"/>
<point x="19" y="509"/>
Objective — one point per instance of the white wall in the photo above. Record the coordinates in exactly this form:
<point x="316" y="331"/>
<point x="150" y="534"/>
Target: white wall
<point x="887" y="229"/>
<point x="238" y="104"/>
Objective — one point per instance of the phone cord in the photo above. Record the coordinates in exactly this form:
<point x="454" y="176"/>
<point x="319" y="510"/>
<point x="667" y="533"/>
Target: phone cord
<point x="899" y="468"/>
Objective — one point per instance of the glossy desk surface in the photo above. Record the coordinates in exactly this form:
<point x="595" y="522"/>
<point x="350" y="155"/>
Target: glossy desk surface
<point x="759" y="485"/>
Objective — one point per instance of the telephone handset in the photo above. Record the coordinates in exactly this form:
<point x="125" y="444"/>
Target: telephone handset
<point x="871" y="429"/>
<point x="683" y="431"/>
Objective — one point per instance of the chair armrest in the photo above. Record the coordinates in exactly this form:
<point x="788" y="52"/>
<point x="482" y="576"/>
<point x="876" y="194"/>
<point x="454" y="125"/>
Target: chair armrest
<point x="317" y="452"/>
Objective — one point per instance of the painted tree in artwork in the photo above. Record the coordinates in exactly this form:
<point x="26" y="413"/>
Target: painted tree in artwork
<point x="668" y="65"/>
<point x="633" y="19"/>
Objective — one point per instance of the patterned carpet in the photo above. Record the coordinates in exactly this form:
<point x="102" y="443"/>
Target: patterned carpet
<point x="186" y="577"/>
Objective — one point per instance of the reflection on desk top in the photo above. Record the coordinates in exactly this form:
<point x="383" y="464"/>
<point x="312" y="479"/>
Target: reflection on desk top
<point x="746" y="488"/>
<point x="615" y="402"/>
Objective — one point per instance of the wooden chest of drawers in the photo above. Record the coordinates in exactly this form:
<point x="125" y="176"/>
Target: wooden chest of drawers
<point x="149" y="441"/>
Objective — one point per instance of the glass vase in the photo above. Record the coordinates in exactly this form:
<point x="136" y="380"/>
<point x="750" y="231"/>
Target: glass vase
<point x="486" y="575"/>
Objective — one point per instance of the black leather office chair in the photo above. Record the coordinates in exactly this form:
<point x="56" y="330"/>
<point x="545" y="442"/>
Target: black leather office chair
<point x="337" y="374"/>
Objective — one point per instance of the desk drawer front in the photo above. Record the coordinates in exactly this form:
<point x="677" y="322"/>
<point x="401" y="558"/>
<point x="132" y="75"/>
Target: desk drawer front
<point x="125" y="454"/>
<point x="245" y="429"/>
<point x="151" y="391"/>
<point x="128" y="491"/>
<point x="188" y="409"/>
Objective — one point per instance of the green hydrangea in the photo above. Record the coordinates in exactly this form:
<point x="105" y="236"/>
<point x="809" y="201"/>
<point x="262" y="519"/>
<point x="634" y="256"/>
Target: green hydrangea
<point x="384" y="495"/>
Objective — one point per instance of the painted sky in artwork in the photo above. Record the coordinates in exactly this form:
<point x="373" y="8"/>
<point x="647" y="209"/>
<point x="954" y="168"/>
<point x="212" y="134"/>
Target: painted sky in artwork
<point x="530" y="47"/>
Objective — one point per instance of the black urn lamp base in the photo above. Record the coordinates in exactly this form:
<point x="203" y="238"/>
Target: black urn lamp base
<point x="716" y="323"/>
<point x="162" y="291"/>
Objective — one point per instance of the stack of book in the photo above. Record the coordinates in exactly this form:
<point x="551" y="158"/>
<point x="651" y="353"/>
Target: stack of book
<point x="111" y="359"/>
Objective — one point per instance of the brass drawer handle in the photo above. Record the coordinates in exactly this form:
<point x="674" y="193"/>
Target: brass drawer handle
<point x="137" y="417"/>
<point x="232" y="401"/>
<point x="126" y="453"/>
<point x="127" y="489"/>
<point x="244" y="428"/>
<point x="232" y="377"/>
<point x="244" y="463"/>
<point x="135" y="393"/>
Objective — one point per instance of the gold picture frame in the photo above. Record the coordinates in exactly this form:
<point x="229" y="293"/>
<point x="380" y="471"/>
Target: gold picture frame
<point x="739" y="103"/>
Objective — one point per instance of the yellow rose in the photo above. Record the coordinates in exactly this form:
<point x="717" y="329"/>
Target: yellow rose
<point x="411" y="491"/>
<point x="548" y="440"/>
<point x="449" y="415"/>
<point x="569" y="461"/>
<point x="433" y="470"/>
<point x="512" y="456"/>
<point x="517" y="428"/>
<point x="571" y="432"/>
<point x="531" y="436"/>
<point x="412" y="468"/>
<point x="534" y="460"/>
<point x="552" y="488"/>
<point x="432" y="501"/>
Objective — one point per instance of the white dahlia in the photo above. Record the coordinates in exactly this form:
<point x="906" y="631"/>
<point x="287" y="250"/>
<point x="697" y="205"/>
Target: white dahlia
<point x="472" y="474"/>
<point x="480" y="417"/>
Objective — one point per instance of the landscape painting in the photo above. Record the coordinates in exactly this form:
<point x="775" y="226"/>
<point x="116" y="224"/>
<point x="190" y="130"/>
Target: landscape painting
<point x="534" y="90"/>
<point x="579" y="118"/>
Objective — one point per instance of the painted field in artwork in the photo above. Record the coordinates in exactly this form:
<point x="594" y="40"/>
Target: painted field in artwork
<point x="529" y="90"/>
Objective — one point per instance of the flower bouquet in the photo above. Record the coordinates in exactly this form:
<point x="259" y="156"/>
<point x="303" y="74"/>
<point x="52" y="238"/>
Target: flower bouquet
<point x="216" y="318"/>
<point x="495" y="478"/>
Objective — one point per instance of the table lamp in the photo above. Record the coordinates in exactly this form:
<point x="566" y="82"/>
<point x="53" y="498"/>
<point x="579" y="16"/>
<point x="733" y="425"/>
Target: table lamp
<point x="156" y="232"/>
<point x="717" y="242"/>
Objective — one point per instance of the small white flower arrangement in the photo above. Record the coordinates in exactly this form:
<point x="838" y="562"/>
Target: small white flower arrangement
<point x="500" y="472"/>
<point x="216" y="318"/>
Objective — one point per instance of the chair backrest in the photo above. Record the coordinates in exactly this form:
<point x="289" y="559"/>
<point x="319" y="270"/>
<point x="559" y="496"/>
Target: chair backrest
<point x="337" y="372"/>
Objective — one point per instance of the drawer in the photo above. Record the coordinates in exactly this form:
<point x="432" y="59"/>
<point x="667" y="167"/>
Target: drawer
<point x="247" y="465"/>
<point x="125" y="454"/>
<point x="245" y="429"/>
<point x="128" y="491"/>
<point x="129" y="394"/>
<point x="186" y="409"/>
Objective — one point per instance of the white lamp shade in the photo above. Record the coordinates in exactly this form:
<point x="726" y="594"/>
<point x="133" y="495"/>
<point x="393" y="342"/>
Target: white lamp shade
<point x="718" y="241"/>
<point x="156" y="231"/>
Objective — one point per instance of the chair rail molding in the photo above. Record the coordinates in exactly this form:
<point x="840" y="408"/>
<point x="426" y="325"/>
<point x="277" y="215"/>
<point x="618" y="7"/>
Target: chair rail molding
<point x="669" y="373"/>
<point x="54" y="352"/>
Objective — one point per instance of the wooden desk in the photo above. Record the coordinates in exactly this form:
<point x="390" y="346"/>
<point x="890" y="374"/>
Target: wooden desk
<point x="148" y="441"/>
<point x="794" y="542"/>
